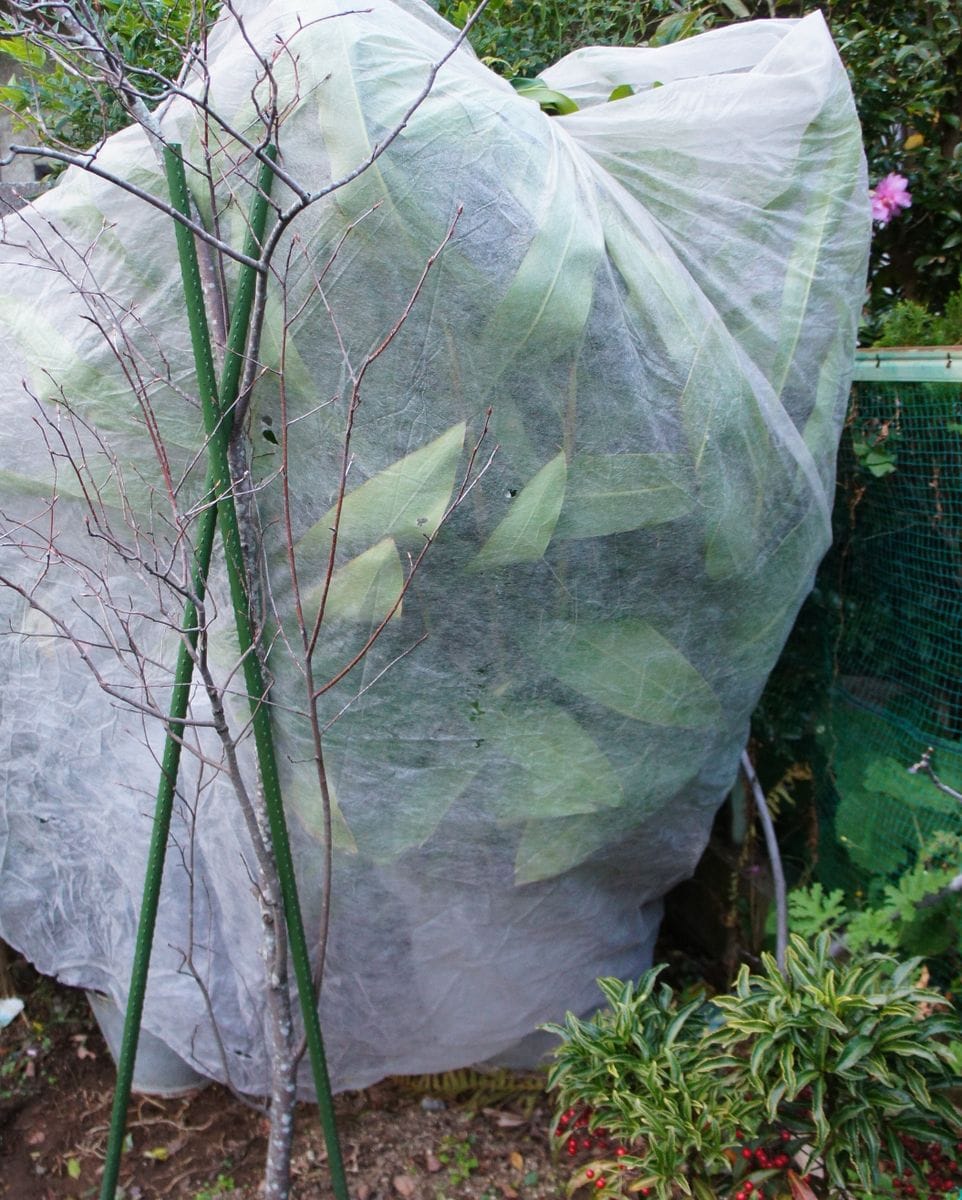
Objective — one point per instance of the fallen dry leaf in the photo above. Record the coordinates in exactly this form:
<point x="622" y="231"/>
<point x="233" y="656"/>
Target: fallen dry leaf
<point x="362" y="1191"/>
<point x="432" y="1163"/>
<point x="800" y="1189"/>
<point x="516" y="1160"/>
<point x="404" y="1185"/>
<point x="504" y="1120"/>
<point x="35" y="1137"/>
<point x="508" y="1192"/>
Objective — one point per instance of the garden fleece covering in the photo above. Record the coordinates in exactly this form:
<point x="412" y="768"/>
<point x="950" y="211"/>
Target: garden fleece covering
<point x="657" y="299"/>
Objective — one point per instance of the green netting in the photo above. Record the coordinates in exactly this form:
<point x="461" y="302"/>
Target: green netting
<point x="895" y="578"/>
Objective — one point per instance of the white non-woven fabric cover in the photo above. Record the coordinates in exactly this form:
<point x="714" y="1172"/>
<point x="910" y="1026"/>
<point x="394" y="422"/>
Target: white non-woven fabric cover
<point x="657" y="300"/>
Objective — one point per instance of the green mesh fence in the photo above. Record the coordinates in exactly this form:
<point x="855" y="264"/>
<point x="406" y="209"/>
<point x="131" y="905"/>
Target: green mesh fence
<point x="895" y="578"/>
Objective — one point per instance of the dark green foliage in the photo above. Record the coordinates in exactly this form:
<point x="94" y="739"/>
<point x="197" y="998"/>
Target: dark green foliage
<point x="63" y="109"/>
<point x="522" y="37"/>
<point x="905" y="62"/>
<point x="918" y="914"/>
<point x="909" y="323"/>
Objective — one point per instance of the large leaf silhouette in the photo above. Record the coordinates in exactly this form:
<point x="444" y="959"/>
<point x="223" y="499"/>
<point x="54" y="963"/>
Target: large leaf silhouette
<point x="365" y="588"/>
<point x="551" y="847"/>
<point x="612" y="493"/>
<point x="524" y="533"/>
<point x="628" y="666"/>
<point x="406" y="500"/>
<point x="562" y="771"/>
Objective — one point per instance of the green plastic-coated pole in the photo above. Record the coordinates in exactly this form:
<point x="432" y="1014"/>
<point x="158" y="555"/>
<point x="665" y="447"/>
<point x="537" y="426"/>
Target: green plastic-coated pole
<point x="217" y="447"/>
<point x="177" y="713"/>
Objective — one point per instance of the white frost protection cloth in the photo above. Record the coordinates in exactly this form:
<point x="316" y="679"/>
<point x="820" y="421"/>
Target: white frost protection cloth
<point x="657" y="299"/>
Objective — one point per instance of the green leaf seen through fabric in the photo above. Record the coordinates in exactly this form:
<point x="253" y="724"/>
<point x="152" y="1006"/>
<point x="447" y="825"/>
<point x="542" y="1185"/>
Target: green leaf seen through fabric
<point x="406" y="500"/>
<point x="613" y="493"/>
<point x="562" y="770"/>
<point x="627" y="665"/>
<point x="551" y="847"/>
<point x="524" y="533"/>
<point x="365" y="588"/>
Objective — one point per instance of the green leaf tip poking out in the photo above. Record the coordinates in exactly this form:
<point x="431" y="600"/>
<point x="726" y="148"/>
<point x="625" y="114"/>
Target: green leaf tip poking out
<point x="556" y="104"/>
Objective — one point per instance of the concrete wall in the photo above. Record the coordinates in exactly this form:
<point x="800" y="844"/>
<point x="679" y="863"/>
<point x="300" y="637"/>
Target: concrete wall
<point x="17" y="181"/>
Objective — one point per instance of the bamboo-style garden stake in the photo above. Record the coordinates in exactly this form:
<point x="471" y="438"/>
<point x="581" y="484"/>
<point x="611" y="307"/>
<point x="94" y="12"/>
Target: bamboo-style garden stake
<point x="219" y="508"/>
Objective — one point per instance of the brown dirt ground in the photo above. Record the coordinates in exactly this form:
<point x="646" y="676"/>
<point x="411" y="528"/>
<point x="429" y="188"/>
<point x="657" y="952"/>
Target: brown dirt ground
<point x="399" y="1141"/>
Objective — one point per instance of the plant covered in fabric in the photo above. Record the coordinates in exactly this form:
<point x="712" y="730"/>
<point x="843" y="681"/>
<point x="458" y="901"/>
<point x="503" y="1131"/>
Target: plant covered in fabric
<point x="815" y="1083"/>
<point x="534" y="458"/>
<point x="905" y="63"/>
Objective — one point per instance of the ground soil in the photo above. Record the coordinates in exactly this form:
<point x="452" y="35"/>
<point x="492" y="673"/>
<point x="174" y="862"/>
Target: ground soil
<point x="400" y="1141"/>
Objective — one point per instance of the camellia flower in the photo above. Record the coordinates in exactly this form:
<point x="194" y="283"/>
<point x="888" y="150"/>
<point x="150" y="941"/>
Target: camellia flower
<point x="889" y="196"/>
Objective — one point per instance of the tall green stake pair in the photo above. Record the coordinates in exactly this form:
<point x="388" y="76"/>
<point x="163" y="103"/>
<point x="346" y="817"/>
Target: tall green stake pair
<point x="217" y="408"/>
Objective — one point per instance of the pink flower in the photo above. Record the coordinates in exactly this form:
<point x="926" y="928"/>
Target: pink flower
<point x="889" y="196"/>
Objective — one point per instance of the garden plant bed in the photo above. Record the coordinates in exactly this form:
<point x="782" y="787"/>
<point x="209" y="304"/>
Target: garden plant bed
<point x="399" y="1142"/>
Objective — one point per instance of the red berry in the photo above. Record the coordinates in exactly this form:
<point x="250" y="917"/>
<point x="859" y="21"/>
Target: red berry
<point x="748" y="1186"/>
<point x="586" y="1143"/>
<point x="739" y="1136"/>
<point x="621" y="1152"/>
<point x="785" y="1135"/>
<point x="589" y="1174"/>
<point x="601" y="1182"/>
<point x="746" y="1153"/>
<point x="740" y="1196"/>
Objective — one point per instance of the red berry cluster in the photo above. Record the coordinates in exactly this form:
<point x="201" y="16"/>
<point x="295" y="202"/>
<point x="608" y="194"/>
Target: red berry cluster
<point x="934" y="1171"/>
<point x="762" y="1158"/>
<point x="574" y="1126"/>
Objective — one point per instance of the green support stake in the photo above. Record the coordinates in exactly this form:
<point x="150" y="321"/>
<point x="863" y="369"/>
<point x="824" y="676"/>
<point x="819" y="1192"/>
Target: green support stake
<point x="177" y="714"/>
<point x="217" y="486"/>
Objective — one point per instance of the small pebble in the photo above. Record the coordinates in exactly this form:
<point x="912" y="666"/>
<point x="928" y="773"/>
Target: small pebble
<point x="430" y="1104"/>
